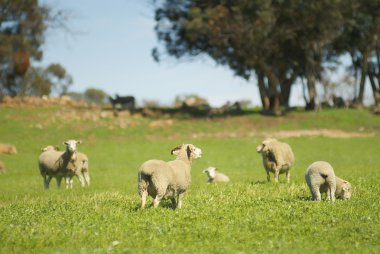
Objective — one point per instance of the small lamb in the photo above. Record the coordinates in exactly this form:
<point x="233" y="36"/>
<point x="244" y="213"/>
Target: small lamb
<point x="277" y="157"/>
<point x="160" y="179"/>
<point x="214" y="176"/>
<point x="58" y="164"/>
<point x="320" y="178"/>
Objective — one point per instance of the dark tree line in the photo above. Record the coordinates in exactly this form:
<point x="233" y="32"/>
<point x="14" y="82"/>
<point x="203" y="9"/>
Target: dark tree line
<point x="23" y="24"/>
<point x="277" y="42"/>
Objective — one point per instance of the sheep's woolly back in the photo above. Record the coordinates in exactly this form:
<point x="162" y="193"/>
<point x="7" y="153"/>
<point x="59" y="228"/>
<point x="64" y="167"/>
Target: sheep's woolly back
<point x="282" y="152"/>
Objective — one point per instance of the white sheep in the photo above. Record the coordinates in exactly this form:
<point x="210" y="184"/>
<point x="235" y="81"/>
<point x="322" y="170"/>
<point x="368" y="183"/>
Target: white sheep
<point x="277" y="157"/>
<point x="58" y="164"/>
<point x="160" y="179"/>
<point x="214" y="176"/>
<point x="320" y="178"/>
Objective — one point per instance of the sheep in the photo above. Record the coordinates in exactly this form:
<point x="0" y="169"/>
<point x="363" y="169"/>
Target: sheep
<point x="82" y="168"/>
<point x="160" y="179"/>
<point x="82" y="171"/>
<point x="277" y="157"/>
<point x="320" y="178"/>
<point x="214" y="176"/>
<point x="58" y="164"/>
<point x="7" y="149"/>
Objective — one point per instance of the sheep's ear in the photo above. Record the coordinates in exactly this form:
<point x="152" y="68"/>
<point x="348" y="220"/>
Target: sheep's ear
<point x="188" y="151"/>
<point x="173" y="151"/>
<point x="79" y="142"/>
<point x="43" y="149"/>
<point x="65" y="143"/>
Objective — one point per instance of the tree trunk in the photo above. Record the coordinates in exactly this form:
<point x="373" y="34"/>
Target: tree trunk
<point x="363" y="76"/>
<point x="263" y="91"/>
<point x="310" y="105"/>
<point x="286" y="86"/>
<point x="375" y="89"/>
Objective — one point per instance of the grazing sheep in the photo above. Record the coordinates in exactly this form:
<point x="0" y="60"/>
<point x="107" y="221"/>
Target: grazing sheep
<point x="160" y="179"/>
<point x="214" y="176"/>
<point x="2" y="167"/>
<point x="277" y="156"/>
<point x="320" y="178"/>
<point x="7" y="149"/>
<point x="58" y="164"/>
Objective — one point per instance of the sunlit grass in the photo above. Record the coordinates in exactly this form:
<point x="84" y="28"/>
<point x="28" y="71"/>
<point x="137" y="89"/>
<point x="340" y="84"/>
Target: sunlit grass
<point x="246" y="215"/>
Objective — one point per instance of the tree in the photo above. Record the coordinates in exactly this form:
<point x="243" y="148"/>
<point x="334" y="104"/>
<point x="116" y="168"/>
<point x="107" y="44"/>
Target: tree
<point x="44" y="81"/>
<point x="276" y="41"/>
<point x="22" y="27"/>
<point x="95" y="95"/>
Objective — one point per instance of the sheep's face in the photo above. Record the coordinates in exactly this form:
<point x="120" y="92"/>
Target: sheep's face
<point x="346" y="190"/>
<point x="71" y="145"/>
<point x="210" y="171"/>
<point x="264" y="146"/>
<point x="191" y="151"/>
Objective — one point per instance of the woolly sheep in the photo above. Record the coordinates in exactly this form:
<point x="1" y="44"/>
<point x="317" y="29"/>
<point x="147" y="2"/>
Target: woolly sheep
<point x="7" y="149"/>
<point x="278" y="158"/>
<point x="47" y="148"/>
<point x="160" y="179"/>
<point x="58" y="164"/>
<point x="214" y="176"/>
<point x="320" y="178"/>
<point x="82" y="171"/>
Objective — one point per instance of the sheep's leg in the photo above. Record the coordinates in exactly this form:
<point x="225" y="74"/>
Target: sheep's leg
<point x="157" y="201"/>
<point x="179" y="202"/>
<point x="268" y="176"/>
<point x="67" y="180"/>
<point x="316" y="194"/>
<point x="276" y="175"/>
<point x="47" y="181"/>
<point x="331" y="194"/>
<point x="59" y="179"/>
<point x="144" y="194"/>
<point x="288" y="176"/>
<point x="87" y="178"/>
<point x="81" y="179"/>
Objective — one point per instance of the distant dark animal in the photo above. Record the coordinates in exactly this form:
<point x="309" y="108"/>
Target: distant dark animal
<point x="123" y="102"/>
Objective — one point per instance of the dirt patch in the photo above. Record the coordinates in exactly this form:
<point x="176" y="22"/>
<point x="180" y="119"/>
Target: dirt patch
<point x="330" y="133"/>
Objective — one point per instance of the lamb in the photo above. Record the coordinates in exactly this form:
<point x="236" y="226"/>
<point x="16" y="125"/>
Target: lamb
<point x="214" y="176"/>
<point x="58" y="164"/>
<point x="7" y="149"/>
<point x="82" y="171"/>
<point x="320" y="178"/>
<point x="160" y="179"/>
<point x="278" y="158"/>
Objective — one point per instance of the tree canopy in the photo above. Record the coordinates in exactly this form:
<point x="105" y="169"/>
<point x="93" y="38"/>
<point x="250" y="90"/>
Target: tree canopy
<point x="22" y="28"/>
<point x="276" y="42"/>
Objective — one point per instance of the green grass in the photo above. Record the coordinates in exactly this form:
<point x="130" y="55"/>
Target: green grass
<point x="247" y="215"/>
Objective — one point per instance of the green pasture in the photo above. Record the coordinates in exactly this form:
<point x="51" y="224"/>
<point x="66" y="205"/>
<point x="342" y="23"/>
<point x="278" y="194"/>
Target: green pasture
<point x="247" y="215"/>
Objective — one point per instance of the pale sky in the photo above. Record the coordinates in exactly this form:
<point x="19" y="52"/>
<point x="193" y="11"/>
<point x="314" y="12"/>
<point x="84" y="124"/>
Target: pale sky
<point x="110" y="49"/>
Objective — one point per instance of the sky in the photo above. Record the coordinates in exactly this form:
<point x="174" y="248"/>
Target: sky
<point x="109" y="47"/>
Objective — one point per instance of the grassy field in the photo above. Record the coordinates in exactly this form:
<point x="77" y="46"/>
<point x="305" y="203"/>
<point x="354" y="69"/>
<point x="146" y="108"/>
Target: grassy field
<point x="247" y="215"/>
